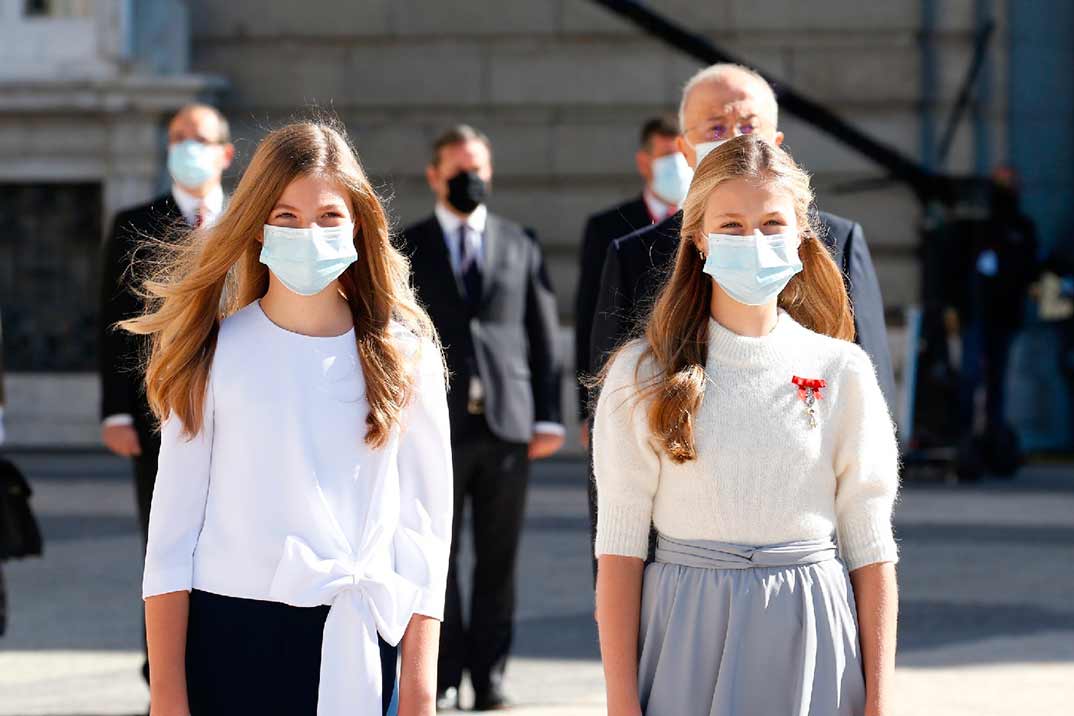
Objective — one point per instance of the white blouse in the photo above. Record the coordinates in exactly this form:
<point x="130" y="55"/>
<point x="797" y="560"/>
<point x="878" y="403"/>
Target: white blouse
<point x="279" y="498"/>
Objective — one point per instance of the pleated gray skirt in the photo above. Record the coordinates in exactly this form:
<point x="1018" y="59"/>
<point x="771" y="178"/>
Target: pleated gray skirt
<point x="733" y="630"/>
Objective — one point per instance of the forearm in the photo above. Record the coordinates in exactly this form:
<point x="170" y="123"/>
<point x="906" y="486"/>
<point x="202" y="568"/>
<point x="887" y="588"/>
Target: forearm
<point x="618" y="620"/>
<point x="876" y="594"/>
<point x="166" y="617"/>
<point x="417" y="677"/>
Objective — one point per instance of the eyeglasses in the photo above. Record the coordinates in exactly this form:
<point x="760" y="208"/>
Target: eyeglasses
<point x="199" y="140"/>
<point x="717" y="130"/>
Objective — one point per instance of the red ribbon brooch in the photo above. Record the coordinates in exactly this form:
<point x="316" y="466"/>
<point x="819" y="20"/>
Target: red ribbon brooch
<point x="809" y="393"/>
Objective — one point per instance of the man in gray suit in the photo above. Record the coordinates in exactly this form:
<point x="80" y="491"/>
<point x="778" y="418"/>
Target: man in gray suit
<point x="483" y="280"/>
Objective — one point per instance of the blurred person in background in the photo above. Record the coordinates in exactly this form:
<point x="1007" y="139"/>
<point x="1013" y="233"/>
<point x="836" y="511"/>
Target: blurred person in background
<point x="666" y="177"/>
<point x="718" y="103"/>
<point x="199" y="150"/>
<point x="997" y="262"/>
<point x="20" y="535"/>
<point x="3" y="438"/>
<point x="483" y="280"/>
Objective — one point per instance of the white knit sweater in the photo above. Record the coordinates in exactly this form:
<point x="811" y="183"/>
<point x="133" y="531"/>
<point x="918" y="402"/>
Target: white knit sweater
<point x="762" y="475"/>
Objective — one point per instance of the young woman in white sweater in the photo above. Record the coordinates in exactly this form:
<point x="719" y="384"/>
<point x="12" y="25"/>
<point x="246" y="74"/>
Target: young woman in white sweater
<point x="301" y="516"/>
<point x="752" y="433"/>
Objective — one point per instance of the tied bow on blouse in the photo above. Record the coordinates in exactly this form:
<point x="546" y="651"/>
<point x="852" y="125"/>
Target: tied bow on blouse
<point x="366" y="597"/>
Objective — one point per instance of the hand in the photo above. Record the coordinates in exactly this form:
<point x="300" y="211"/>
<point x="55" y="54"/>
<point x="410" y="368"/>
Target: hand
<point x="583" y="434"/>
<point x="121" y="440"/>
<point x="544" y="444"/>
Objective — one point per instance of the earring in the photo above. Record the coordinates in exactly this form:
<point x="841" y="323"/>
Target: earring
<point x="700" y="253"/>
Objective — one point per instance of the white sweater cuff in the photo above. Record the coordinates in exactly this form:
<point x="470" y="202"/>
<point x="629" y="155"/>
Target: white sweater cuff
<point x="866" y="543"/>
<point x="623" y="530"/>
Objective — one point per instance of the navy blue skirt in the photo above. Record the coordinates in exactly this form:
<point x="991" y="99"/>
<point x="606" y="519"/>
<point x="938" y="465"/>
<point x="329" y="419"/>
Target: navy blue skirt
<point x="252" y="656"/>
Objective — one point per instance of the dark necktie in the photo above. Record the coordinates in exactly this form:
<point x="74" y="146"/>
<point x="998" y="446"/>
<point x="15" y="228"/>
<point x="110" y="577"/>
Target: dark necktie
<point x="468" y="269"/>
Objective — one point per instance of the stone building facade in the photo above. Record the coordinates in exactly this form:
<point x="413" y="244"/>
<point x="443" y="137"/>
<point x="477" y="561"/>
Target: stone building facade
<point x="560" y="86"/>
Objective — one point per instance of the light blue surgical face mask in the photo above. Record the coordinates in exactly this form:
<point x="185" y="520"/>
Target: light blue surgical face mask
<point x="307" y="260"/>
<point x="753" y="269"/>
<point x="192" y="163"/>
<point x="671" y="178"/>
<point x="703" y="149"/>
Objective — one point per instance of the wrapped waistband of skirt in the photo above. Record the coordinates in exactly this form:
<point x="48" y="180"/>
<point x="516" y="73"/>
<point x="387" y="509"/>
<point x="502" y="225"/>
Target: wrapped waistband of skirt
<point x="709" y="554"/>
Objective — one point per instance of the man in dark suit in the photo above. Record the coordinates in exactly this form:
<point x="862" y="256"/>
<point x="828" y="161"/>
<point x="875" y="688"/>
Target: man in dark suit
<point x="483" y="280"/>
<point x="2" y="434"/>
<point x="3" y="588"/>
<point x="667" y="178"/>
<point x="199" y="149"/>
<point x="718" y="103"/>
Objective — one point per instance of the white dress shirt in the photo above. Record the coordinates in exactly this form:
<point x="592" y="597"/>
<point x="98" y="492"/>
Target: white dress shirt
<point x="658" y="208"/>
<point x="210" y="207"/>
<point x="279" y="498"/>
<point x="475" y="223"/>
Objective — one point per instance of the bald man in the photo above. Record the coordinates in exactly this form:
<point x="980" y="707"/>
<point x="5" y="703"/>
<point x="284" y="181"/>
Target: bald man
<point x="199" y="150"/>
<point x="718" y="103"/>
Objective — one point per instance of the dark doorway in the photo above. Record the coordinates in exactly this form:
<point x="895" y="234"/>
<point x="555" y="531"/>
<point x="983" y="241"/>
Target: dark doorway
<point x="49" y="259"/>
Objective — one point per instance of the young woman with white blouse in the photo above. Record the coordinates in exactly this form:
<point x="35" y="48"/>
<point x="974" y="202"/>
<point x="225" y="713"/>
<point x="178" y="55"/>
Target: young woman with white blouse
<point x="302" y="511"/>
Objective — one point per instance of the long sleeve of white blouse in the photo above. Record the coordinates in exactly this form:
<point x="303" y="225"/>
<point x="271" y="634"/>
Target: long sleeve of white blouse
<point x="423" y="537"/>
<point x="181" y="489"/>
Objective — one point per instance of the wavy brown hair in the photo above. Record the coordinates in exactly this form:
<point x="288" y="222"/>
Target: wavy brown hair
<point x="676" y="333"/>
<point x="212" y="273"/>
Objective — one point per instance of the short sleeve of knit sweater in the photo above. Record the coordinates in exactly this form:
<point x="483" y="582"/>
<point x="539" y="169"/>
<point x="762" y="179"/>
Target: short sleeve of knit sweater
<point x="626" y="461"/>
<point x="866" y="467"/>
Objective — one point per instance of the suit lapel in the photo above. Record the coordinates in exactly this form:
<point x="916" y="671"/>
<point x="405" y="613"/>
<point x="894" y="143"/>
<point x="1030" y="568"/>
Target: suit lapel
<point x="637" y="214"/>
<point x="439" y="261"/>
<point x="491" y="249"/>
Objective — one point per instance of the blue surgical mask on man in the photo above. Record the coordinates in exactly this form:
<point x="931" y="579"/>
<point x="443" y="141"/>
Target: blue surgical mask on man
<point x="192" y="163"/>
<point x="753" y="269"/>
<point x="306" y="261"/>
<point x="671" y="178"/>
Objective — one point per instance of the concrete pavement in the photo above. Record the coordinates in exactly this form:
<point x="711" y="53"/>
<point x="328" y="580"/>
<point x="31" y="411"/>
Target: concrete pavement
<point x="987" y="591"/>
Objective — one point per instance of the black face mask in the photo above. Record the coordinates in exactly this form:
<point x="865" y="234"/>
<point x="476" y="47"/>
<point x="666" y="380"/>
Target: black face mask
<point x="466" y="191"/>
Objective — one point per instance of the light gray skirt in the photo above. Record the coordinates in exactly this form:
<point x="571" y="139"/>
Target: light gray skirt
<point x="732" y="630"/>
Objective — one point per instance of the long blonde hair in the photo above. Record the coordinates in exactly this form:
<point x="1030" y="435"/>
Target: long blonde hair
<point x="212" y="273"/>
<point x="676" y="334"/>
